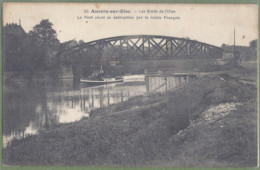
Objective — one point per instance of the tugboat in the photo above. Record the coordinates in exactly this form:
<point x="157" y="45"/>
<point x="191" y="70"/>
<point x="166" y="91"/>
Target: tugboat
<point x="98" y="78"/>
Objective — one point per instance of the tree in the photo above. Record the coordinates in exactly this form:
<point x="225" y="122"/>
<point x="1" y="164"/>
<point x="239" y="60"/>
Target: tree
<point x="223" y="46"/>
<point x="44" y="31"/>
<point x="44" y="47"/>
<point x="253" y="44"/>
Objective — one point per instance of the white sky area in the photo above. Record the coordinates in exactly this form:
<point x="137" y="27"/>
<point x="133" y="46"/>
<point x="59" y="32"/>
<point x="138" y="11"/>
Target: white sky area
<point x="209" y="23"/>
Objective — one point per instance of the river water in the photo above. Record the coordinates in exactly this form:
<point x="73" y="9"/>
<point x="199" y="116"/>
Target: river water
<point x="29" y="109"/>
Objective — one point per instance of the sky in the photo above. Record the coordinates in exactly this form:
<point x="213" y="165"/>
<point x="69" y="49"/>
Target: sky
<point x="208" y="23"/>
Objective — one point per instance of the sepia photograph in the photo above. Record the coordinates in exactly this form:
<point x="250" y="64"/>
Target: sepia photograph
<point x="129" y="84"/>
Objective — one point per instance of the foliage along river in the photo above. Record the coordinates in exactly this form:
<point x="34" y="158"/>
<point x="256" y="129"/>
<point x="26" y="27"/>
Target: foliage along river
<point x="28" y="109"/>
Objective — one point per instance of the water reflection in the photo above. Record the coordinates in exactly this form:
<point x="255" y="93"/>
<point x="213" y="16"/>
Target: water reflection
<point x="30" y="109"/>
<point x="26" y="110"/>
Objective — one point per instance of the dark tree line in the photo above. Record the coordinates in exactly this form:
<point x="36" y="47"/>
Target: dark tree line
<point x="253" y="44"/>
<point x="39" y="54"/>
<point x="31" y="55"/>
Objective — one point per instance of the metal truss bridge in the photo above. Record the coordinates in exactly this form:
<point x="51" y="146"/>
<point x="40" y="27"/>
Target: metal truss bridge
<point x="146" y="47"/>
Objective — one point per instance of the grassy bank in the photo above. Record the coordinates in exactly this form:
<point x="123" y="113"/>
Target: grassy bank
<point x="157" y="130"/>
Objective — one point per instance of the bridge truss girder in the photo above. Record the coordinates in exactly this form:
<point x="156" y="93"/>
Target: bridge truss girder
<point x="148" y="47"/>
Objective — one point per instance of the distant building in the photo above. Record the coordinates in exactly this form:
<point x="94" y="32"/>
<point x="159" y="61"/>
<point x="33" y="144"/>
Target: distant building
<point x="13" y="29"/>
<point x="13" y="40"/>
<point x="242" y="52"/>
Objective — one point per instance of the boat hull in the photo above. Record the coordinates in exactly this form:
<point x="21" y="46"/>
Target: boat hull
<point x="97" y="82"/>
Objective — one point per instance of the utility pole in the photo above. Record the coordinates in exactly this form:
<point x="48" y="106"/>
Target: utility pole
<point x="234" y="42"/>
<point x="235" y="56"/>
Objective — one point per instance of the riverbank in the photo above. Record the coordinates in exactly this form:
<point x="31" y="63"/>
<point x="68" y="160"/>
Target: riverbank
<point x="211" y="121"/>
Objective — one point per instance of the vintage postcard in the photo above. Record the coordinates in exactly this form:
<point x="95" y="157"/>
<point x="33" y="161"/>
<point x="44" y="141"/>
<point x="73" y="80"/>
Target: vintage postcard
<point x="130" y="84"/>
